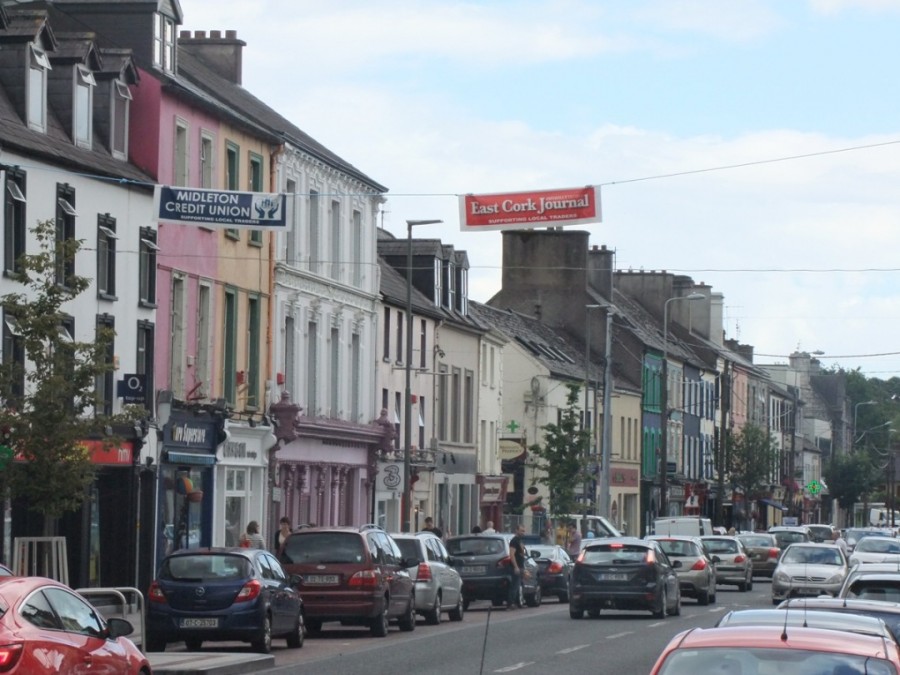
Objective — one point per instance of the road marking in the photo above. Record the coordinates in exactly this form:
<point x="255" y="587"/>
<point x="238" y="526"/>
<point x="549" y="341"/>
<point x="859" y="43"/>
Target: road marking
<point x="517" y="666"/>
<point x="618" y="635"/>
<point x="716" y="609"/>
<point x="658" y="623"/>
<point x="571" y="649"/>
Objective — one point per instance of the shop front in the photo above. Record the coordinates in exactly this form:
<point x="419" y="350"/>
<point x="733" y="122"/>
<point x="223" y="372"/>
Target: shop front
<point x="624" y="503"/>
<point x="492" y="497"/>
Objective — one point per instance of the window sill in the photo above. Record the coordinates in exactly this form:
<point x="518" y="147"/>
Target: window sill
<point x="106" y="296"/>
<point x="147" y="304"/>
<point x="254" y="242"/>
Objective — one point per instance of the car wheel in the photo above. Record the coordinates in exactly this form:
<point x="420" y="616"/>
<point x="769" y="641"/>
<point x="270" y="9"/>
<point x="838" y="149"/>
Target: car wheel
<point x="263" y="644"/>
<point x="750" y="582"/>
<point x="456" y="614"/>
<point x="433" y="615"/>
<point x="703" y="597"/>
<point x="676" y="611"/>
<point x="465" y="604"/>
<point x="155" y="644"/>
<point x="520" y="601"/>
<point x="534" y="600"/>
<point x="575" y="612"/>
<point x="594" y="612"/>
<point x="660" y="611"/>
<point x="295" y="637"/>
<point x="407" y="622"/>
<point x="193" y="644"/>
<point x="379" y="626"/>
<point x="742" y="587"/>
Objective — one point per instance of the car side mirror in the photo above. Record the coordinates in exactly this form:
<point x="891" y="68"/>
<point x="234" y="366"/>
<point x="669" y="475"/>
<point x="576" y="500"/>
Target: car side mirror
<point x="854" y="562"/>
<point x="295" y="580"/>
<point x="454" y="561"/>
<point x="116" y="627"/>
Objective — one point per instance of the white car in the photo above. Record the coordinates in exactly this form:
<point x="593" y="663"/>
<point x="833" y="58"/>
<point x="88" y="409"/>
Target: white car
<point x="438" y="584"/>
<point x="809" y="569"/>
<point x="876" y="550"/>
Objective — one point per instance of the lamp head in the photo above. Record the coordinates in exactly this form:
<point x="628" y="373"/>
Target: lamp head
<point x="413" y="223"/>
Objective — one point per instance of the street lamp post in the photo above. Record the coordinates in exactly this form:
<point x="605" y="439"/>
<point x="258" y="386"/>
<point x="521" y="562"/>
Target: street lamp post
<point x="588" y="418"/>
<point x="856" y="412"/>
<point x="407" y="403"/>
<point x="606" y="447"/>
<point x="664" y="408"/>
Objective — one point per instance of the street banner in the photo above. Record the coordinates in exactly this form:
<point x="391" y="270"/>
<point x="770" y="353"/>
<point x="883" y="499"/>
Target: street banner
<point x="220" y="208"/>
<point x="517" y="210"/>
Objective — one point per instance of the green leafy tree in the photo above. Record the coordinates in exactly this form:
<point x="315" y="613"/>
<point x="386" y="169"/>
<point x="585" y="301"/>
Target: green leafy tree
<point x="753" y="457"/>
<point x="48" y="383"/>
<point x="849" y="477"/>
<point x="563" y="458"/>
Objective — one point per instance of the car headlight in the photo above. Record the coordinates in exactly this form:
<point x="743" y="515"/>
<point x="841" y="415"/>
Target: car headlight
<point x="781" y="577"/>
<point x="835" y="579"/>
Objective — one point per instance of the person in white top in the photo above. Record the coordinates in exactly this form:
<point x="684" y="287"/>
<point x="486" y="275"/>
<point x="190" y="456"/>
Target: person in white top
<point x="840" y="541"/>
<point x="489" y="528"/>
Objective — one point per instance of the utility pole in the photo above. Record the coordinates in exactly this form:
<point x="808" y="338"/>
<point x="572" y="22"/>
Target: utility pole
<point x="724" y="399"/>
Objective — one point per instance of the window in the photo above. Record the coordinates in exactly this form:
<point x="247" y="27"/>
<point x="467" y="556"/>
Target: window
<point x="103" y="384"/>
<point x="423" y="338"/>
<point x="438" y="285"/>
<point x="469" y="407"/>
<point x="335" y="240"/>
<point x="63" y="358"/>
<point x="207" y="165"/>
<point x="290" y="254"/>
<point x="120" y="107"/>
<point x="355" y="372"/>
<point x="14" y="360"/>
<point x="65" y="233"/>
<point x="253" y="349"/>
<point x="357" y="257"/>
<point x="256" y="185"/>
<point x="312" y="370"/>
<point x="177" y="332"/>
<point x="82" y="110"/>
<point x="38" y="66"/>
<point x="386" y="349"/>
<point x="146" y="339"/>
<point x="164" y="43"/>
<point x="14" y="219"/>
<point x="180" y="165"/>
<point x="290" y="353"/>
<point x="335" y="372"/>
<point x="421" y="422"/>
<point x="313" y="231"/>
<point x="232" y="176"/>
<point x="201" y="365"/>
<point x="229" y="347"/>
<point x="400" y="342"/>
<point x="455" y="400"/>
<point x="147" y="267"/>
<point x="106" y="256"/>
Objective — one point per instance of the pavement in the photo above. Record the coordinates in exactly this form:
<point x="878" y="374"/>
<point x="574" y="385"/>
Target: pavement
<point x="208" y="663"/>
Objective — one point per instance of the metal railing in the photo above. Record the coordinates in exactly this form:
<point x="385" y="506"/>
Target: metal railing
<point x="128" y="604"/>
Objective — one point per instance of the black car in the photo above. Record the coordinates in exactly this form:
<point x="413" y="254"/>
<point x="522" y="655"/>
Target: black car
<point x="624" y="573"/>
<point x="483" y="562"/>
<point x="223" y="594"/>
<point x="556" y="570"/>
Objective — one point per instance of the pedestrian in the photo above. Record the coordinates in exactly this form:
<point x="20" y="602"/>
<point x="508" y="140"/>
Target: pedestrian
<point x="573" y="545"/>
<point x="284" y="529"/>
<point x="252" y="538"/>
<point x="489" y="528"/>
<point x="429" y="527"/>
<point x="476" y="529"/>
<point x="840" y="541"/>
<point x="517" y="558"/>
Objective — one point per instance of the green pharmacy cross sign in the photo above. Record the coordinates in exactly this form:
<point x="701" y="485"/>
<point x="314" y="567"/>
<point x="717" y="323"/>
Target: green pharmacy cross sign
<point x="814" y="487"/>
<point x="6" y="454"/>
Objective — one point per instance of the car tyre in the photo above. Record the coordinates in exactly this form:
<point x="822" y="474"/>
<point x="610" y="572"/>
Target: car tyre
<point x="295" y="637"/>
<point x="750" y="583"/>
<point x="594" y="612"/>
<point x="703" y="597"/>
<point x="575" y="612"/>
<point x="742" y="587"/>
<point x="676" y="611"/>
<point x="193" y="644"/>
<point x="456" y="614"/>
<point x="660" y="611"/>
<point x="379" y="626"/>
<point x="263" y="644"/>
<point x="433" y="615"/>
<point x="407" y="622"/>
<point x="534" y="600"/>
<point x="465" y="604"/>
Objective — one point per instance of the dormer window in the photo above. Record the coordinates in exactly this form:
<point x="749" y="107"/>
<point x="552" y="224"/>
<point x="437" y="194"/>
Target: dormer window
<point x="119" y="111"/>
<point x="164" y="43"/>
<point x="84" y="105"/>
<point x="38" y="65"/>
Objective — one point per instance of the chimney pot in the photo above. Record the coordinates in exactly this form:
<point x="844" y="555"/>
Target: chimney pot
<point x="231" y="34"/>
<point x="185" y="34"/>
<point x="215" y="34"/>
<point x="200" y="34"/>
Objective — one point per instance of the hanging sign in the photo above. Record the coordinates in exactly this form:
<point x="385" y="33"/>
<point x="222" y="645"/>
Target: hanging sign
<point x="517" y="210"/>
<point x="219" y="208"/>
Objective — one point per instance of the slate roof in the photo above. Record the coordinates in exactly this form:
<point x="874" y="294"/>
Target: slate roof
<point x="393" y="291"/>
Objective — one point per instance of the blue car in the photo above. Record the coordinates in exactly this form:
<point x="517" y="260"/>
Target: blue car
<point x="223" y="594"/>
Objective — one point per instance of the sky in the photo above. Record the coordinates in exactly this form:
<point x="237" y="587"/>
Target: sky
<point x="753" y="145"/>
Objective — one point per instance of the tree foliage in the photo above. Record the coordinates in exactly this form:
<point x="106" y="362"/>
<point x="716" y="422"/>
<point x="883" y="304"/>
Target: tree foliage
<point x="752" y="459"/>
<point x="563" y="458"/>
<point x="47" y="382"/>
<point x="849" y="477"/>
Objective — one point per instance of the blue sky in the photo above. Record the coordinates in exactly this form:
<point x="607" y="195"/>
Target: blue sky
<point x="437" y="98"/>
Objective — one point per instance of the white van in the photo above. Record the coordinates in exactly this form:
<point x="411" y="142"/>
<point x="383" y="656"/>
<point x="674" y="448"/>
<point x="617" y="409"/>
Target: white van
<point x="599" y="525"/>
<point x="691" y="526"/>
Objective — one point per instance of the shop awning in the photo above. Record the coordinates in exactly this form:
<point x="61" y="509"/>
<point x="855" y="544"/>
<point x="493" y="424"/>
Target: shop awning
<point x="200" y="459"/>
<point x="775" y="505"/>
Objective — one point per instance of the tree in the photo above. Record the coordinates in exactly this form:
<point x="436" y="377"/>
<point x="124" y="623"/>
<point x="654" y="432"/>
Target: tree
<point x="563" y="459"/>
<point x="849" y="477"/>
<point x="48" y="382"/>
<point x="753" y="459"/>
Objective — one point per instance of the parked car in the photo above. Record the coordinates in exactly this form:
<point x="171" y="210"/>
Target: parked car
<point x="624" y="573"/>
<point x="223" y="594"/>
<point x="774" y="649"/>
<point x="483" y="562"/>
<point x="697" y="574"/>
<point x="821" y="533"/>
<point x="438" y="585"/>
<point x="873" y="581"/>
<point x="555" y="570"/>
<point x="43" y="619"/>
<point x="763" y="551"/>
<point x="864" y="625"/>
<point x="787" y="535"/>
<point x="876" y="550"/>
<point x="353" y="575"/>
<point x="809" y="569"/>
<point x="734" y="566"/>
<point x="852" y="535"/>
<point x="889" y="612"/>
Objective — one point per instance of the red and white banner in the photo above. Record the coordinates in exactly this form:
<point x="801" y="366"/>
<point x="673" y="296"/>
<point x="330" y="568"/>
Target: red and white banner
<point x="517" y="210"/>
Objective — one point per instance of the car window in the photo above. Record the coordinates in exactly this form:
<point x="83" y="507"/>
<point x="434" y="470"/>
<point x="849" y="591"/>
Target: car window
<point x="275" y="566"/>
<point x="716" y="546"/>
<point x="675" y="548"/>
<point x="390" y="554"/>
<point x="882" y="590"/>
<point x="37" y="611"/>
<point x="265" y="569"/>
<point x="441" y="552"/>
<point x="205" y="567"/>
<point x="750" y="540"/>
<point x="409" y="549"/>
<point x="812" y="556"/>
<point x="324" y="547"/>
<point x="613" y="555"/>
<point x="74" y="613"/>
<point x="476" y="546"/>
<point x="876" y="545"/>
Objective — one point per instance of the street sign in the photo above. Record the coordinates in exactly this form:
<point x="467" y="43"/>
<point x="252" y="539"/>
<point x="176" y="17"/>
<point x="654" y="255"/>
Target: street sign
<point x="814" y="487"/>
<point x="131" y="388"/>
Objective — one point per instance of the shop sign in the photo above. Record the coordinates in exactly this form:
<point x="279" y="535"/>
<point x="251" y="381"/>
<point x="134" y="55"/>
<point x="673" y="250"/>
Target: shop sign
<point x="511" y="448"/>
<point x="516" y="210"/>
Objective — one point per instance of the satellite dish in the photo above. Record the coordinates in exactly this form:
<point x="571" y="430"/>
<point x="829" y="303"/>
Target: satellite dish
<point x="535" y="386"/>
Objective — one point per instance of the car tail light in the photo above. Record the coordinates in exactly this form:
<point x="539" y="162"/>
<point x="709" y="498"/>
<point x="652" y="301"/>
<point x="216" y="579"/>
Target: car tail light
<point x="739" y="558"/>
<point x="555" y="567"/>
<point x="504" y="562"/>
<point x="10" y="653"/>
<point x="250" y="591"/>
<point x="423" y="573"/>
<point x="364" y="579"/>
<point x="699" y="565"/>
<point x="155" y="594"/>
<point x="773" y="552"/>
<point x="650" y="558"/>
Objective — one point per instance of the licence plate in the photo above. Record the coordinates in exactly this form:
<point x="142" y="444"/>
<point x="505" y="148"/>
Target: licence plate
<point x="612" y="577"/>
<point x="321" y="579"/>
<point x="199" y="623"/>
<point x="474" y="569"/>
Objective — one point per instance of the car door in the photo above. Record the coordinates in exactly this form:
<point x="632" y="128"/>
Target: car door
<point x="450" y="581"/>
<point x="399" y="581"/>
<point x="667" y="573"/>
<point x="284" y="599"/>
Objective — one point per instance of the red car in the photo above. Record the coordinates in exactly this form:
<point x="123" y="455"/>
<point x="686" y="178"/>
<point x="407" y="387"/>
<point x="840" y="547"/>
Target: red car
<point x="45" y="627"/>
<point x="775" y="649"/>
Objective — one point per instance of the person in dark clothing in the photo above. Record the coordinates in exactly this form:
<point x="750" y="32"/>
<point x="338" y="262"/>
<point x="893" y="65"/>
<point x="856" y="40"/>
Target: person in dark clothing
<point x="429" y="527"/>
<point x="517" y="562"/>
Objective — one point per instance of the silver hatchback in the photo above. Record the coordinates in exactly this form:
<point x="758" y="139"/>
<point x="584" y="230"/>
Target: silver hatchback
<point x="438" y="585"/>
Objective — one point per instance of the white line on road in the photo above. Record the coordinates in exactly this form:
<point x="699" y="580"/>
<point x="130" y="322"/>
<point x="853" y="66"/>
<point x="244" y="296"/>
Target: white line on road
<point x="572" y="649"/>
<point x="658" y="623"/>
<point x="618" y="635"/>
<point x="716" y="609"/>
<point x="517" y="666"/>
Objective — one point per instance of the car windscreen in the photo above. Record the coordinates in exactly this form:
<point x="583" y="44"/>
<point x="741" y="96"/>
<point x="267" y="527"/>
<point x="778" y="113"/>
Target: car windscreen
<point x="477" y="546"/>
<point x="323" y="548"/>
<point x="205" y="567"/>
<point x="616" y="554"/>
<point x="675" y="548"/>
<point x="810" y="555"/>
<point x="721" y="545"/>
<point x="409" y="549"/>
<point x="730" y="661"/>
<point x="877" y="545"/>
<point x="785" y="538"/>
<point x="757" y="541"/>
<point x="882" y="590"/>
